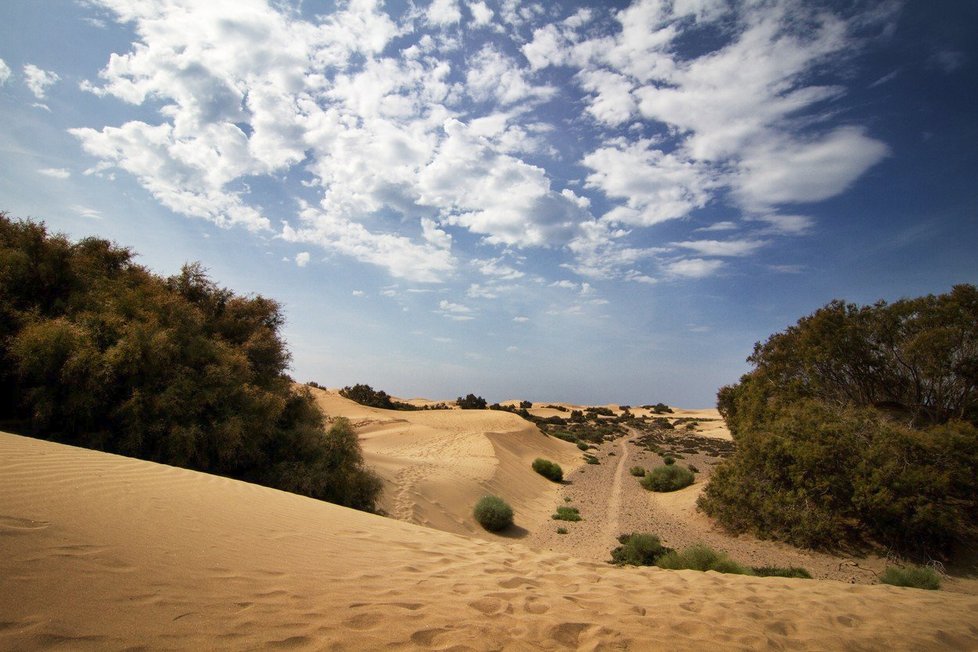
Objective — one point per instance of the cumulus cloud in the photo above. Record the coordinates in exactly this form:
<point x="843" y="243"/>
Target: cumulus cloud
<point x="302" y="258"/>
<point x="37" y="80"/>
<point x="5" y="72"/>
<point x="455" y="311"/>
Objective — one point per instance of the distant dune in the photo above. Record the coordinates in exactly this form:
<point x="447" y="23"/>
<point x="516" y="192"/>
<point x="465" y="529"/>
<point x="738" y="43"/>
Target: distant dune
<point x="105" y="552"/>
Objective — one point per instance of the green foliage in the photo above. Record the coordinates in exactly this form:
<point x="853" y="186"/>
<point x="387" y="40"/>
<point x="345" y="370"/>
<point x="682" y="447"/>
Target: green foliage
<point x="493" y="513"/>
<point x="96" y="351"/>
<point x="779" y="571"/>
<point x="702" y="558"/>
<point x="591" y="459"/>
<point x="582" y="445"/>
<point x="548" y="469"/>
<point x="367" y="395"/>
<point x="638" y="549"/>
<point x="667" y="478"/>
<point x="471" y="402"/>
<point x="561" y="530"/>
<point x="917" y="577"/>
<point x="567" y="514"/>
<point x="859" y="423"/>
<point x="669" y="460"/>
<point x="637" y="471"/>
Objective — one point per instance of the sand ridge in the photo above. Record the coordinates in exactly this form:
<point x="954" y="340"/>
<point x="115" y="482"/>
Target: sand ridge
<point x="106" y="552"/>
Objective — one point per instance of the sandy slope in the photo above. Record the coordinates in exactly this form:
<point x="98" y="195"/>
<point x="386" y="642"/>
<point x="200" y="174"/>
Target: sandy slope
<point x="436" y="464"/>
<point x="104" y="552"/>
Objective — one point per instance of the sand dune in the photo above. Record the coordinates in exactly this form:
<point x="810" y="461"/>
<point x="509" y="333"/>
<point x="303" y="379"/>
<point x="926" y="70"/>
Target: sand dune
<point x="104" y="552"/>
<point x="436" y="464"/>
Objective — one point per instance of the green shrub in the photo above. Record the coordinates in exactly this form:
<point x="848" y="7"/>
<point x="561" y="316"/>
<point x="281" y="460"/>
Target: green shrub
<point x="693" y="468"/>
<point x="591" y="459"/>
<point x="567" y="514"/>
<point x="669" y="460"/>
<point x="702" y="558"/>
<point x="493" y="513"/>
<point x="637" y="471"/>
<point x="548" y="469"/>
<point x="582" y="445"/>
<point x="777" y="571"/>
<point x="638" y="549"/>
<point x="918" y="577"/>
<point x="561" y="530"/>
<point x="667" y="478"/>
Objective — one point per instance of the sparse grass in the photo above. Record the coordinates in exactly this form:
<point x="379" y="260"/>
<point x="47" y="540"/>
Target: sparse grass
<point x="567" y="514"/>
<point x="667" y="478"/>
<point x="917" y="577"/>
<point x="567" y="499"/>
<point x="548" y="469"/>
<point x="702" y="558"/>
<point x="637" y="471"/>
<point x="493" y="513"/>
<point x="778" y="571"/>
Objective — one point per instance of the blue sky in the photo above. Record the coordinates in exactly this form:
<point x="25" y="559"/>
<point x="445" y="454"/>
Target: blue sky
<point x="594" y="202"/>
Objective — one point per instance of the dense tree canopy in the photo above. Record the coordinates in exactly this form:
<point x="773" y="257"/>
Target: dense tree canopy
<point x="99" y="352"/>
<point x="859" y="423"/>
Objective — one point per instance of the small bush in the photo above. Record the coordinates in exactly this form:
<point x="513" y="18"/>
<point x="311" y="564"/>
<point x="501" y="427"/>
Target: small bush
<point x="667" y="478"/>
<point x="582" y="445"/>
<point x="702" y="558"/>
<point x="917" y="577"/>
<point x="638" y="550"/>
<point x="548" y="469"/>
<point x="778" y="571"/>
<point x="669" y="460"/>
<point x="567" y="514"/>
<point x="637" y="471"/>
<point x="493" y="513"/>
<point x="591" y="459"/>
<point x="561" y="530"/>
<point x="693" y="468"/>
<point x="567" y="499"/>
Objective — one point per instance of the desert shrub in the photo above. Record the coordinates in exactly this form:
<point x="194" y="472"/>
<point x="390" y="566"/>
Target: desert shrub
<point x="561" y="530"/>
<point x="669" y="460"/>
<point x="918" y="577"/>
<point x="471" y="402"/>
<point x="367" y="395"/>
<point x="567" y="514"/>
<point x="591" y="459"/>
<point x="667" y="478"/>
<point x="638" y="549"/>
<point x="493" y="513"/>
<point x="582" y="445"/>
<point x="99" y="352"/>
<point x="702" y="558"/>
<point x="548" y="469"/>
<point x="637" y="471"/>
<point x="780" y="571"/>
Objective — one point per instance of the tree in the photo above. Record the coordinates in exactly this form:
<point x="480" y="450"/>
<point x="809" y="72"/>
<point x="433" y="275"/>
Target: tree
<point x="471" y="402"/>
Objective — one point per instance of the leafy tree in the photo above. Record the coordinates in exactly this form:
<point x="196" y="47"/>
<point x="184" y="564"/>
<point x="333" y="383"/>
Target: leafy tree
<point x="97" y="351"/>
<point x="858" y="424"/>
<point x="471" y="402"/>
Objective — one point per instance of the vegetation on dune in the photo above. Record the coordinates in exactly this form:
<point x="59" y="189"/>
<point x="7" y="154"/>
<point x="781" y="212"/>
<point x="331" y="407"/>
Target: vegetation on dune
<point x="858" y="424"/>
<point x="701" y="558"/>
<point x="97" y="351"/>
<point x="471" y="402"/>
<point x="567" y="514"/>
<point x="367" y="395"/>
<point x="548" y="469"/>
<point x="667" y="478"/>
<point x="638" y="549"/>
<point x="917" y="577"/>
<point x="493" y="513"/>
<point x="637" y="471"/>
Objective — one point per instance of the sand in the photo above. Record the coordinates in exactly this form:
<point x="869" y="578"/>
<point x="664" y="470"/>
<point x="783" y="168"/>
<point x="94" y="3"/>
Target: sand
<point x="105" y="552"/>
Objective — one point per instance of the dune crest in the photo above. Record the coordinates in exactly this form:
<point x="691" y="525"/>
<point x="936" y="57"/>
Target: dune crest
<point x="106" y="552"/>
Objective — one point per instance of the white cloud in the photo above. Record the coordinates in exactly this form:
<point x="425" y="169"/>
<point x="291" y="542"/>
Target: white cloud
<point x="85" y="211"/>
<point x="444" y="12"/>
<point x="521" y="320"/>
<point x="359" y="293"/>
<point x="455" y="311"/>
<point x="37" y="80"/>
<point x="786" y="224"/>
<point x="55" y="173"/>
<point x="719" y="226"/>
<point x="693" y="267"/>
<point x="654" y="185"/>
<point x="492" y="75"/>
<point x="302" y="258"/>
<point x="496" y="268"/>
<point x="722" y="248"/>
<point x="5" y="72"/>
<point x="481" y="13"/>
